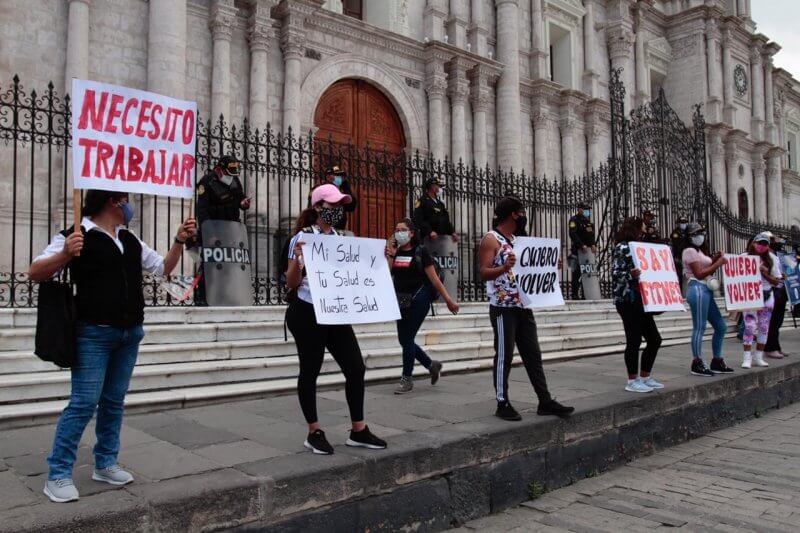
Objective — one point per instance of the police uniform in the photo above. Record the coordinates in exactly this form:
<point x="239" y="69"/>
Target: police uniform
<point x="430" y="215"/>
<point x="581" y="233"/>
<point x="218" y="201"/>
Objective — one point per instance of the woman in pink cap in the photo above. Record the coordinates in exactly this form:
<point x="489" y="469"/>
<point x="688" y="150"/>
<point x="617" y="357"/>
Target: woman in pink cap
<point x="312" y="338"/>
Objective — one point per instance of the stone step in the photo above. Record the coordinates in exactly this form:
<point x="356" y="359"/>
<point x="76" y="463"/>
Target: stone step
<point x="231" y="369"/>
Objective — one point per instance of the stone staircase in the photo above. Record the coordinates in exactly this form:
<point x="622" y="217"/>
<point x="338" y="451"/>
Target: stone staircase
<point x="203" y="355"/>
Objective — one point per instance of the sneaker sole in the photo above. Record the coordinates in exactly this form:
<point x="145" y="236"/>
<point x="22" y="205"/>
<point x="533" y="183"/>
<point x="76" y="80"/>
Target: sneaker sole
<point x="356" y="444"/>
<point x="517" y="419"/>
<point x="641" y="391"/>
<point x="702" y="375"/>
<point x="316" y="451"/>
<point x="398" y="392"/>
<point x="58" y="500"/>
<point x="110" y="481"/>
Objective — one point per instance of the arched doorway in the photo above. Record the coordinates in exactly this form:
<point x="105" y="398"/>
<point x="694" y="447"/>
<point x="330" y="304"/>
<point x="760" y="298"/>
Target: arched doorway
<point x="351" y="116"/>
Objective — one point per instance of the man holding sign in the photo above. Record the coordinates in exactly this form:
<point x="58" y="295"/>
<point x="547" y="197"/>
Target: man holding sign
<point x="511" y="322"/>
<point x="336" y="283"/>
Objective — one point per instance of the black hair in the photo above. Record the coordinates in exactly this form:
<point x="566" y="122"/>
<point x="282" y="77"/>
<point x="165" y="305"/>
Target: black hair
<point x="506" y="207"/>
<point x="766" y="256"/>
<point x="306" y="218"/>
<point x="630" y="230"/>
<point x="412" y="227"/>
<point x="95" y="200"/>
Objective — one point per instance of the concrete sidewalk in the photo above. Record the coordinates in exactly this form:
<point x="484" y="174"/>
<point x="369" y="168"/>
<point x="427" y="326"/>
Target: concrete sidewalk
<point x="239" y="463"/>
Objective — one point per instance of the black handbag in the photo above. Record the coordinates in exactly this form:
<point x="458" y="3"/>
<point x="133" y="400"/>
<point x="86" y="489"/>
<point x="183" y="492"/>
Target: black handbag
<point x="56" y="316"/>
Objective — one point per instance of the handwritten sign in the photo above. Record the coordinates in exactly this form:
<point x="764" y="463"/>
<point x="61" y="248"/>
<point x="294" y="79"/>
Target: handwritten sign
<point x="537" y="271"/>
<point x="658" y="282"/>
<point x="743" y="282"/>
<point x="349" y="280"/>
<point x="791" y="272"/>
<point x="133" y="141"/>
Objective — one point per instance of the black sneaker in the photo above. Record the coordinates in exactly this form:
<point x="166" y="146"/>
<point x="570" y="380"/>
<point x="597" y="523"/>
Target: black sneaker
<point x="718" y="366"/>
<point x="507" y="412"/>
<point x="553" y="408"/>
<point x="436" y="371"/>
<point x="699" y="368"/>
<point x="365" y="439"/>
<point x="317" y="443"/>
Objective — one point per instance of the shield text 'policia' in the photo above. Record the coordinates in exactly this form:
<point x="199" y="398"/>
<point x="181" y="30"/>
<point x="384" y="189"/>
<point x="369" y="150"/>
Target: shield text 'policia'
<point x="445" y="252"/>
<point x="226" y="263"/>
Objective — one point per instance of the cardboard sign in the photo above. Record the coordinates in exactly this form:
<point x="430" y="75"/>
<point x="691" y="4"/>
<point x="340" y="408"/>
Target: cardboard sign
<point x="132" y="141"/>
<point x="743" y="282"/>
<point x="536" y="271"/>
<point x="791" y="271"/>
<point x="658" y="282"/>
<point x="349" y="280"/>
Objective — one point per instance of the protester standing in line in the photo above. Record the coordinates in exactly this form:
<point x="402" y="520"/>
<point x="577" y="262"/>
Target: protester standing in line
<point x="511" y="322"/>
<point x="628" y="301"/>
<point x="773" y="346"/>
<point x="105" y="261"/>
<point x="430" y="214"/>
<point x="699" y="270"/>
<point x="756" y="322"/>
<point x="582" y="238"/>
<point x="313" y="338"/>
<point x="415" y="280"/>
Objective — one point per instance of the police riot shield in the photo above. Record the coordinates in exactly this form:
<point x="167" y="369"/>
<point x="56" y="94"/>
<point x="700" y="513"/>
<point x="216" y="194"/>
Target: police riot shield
<point x="444" y="251"/>
<point x="226" y="263"/>
<point x="589" y="275"/>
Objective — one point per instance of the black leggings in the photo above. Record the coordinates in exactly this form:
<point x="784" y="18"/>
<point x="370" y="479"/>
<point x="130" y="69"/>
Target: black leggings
<point x="639" y="324"/>
<point x="311" y="340"/>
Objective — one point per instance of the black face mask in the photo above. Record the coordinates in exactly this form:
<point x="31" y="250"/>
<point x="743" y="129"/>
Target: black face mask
<point x="331" y="215"/>
<point x="522" y="227"/>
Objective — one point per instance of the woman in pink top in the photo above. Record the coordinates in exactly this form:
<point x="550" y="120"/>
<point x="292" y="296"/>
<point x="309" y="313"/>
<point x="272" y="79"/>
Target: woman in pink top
<point x="756" y="322"/>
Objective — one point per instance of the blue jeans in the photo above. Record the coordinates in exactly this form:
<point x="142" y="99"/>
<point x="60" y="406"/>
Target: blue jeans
<point x="704" y="309"/>
<point x="408" y="326"/>
<point x="106" y="357"/>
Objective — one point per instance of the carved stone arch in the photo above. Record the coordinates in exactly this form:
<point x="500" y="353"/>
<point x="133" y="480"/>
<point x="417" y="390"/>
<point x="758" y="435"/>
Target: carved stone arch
<point x="390" y="84"/>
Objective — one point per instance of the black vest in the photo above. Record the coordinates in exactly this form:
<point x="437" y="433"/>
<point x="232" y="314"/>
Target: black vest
<point x="109" y="283"/>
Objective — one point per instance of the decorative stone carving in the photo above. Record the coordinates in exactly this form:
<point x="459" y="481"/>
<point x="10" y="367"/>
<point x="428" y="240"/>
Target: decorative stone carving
<point x="685" y="47"/>
<point x="658" y="54"/>
<point x="567" y="12"/>
<point x="619" y="43"/>
<point x="221" y="18"/>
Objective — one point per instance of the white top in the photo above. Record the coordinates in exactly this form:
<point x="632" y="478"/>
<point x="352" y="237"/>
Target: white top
<point x="303" y="290"/>
<point x="775" y="273"/>
<point x="152" y="262"/>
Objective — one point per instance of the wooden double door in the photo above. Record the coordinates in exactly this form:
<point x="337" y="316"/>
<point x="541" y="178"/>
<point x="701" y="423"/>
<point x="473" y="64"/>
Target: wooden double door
<point x="351" y="115"/>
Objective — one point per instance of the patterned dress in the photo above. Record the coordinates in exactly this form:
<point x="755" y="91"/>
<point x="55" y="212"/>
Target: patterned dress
<point x="503" y="291"/>
<point x="624" y="286"/>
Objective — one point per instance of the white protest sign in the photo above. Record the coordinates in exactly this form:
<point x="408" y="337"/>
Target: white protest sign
<point x="536" y="271"/>
<point x="133" y="141"/>
<point x="742" y="282"/>
<point x="349" y="280"/>
<point x="658" y="283"/>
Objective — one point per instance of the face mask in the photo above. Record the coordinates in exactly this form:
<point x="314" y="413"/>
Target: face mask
<point x="587" y="213"/>
<point x="682" y="227"/>
<point x="698" y="240"/>
<point x="402" y="237"/>
<point x="127" y="212"/>
<point x="761" y="248"/>
<point x="331" y="215"/>
<point x="233" y="170"/>
<point x="337" y="180"/>
<point x="522" y="226"/>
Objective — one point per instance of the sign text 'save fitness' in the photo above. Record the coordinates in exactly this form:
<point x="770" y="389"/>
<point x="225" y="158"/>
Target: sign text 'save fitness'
<point x="133" y="141"/>
<point x="349" y="280"/>
<point x="658" y="282"/>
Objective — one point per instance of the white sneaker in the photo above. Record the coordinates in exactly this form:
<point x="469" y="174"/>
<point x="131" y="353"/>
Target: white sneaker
<point x="652" y="383"/>
<point x="61" y="490"/>
<point x="758" y="359"/>
<point x="747" y="360"/>
<point x="113" y="475"/>
<point x="637" y="386"/>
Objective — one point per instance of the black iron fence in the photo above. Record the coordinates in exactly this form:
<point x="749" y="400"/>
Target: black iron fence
<point x="278" y="172"/>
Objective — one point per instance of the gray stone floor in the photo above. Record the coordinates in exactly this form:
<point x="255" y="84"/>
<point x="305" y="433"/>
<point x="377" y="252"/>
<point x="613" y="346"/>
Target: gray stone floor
<point x="745" y="478"/>
<point x="262" y="435"/>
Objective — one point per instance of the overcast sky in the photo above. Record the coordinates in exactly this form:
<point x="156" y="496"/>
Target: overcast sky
<point x="778" y="20"/>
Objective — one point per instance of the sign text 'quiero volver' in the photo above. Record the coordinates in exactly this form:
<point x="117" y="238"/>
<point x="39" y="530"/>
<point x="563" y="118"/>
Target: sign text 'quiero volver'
<point x="743" y="282"/>
<point x="536" y="271"/>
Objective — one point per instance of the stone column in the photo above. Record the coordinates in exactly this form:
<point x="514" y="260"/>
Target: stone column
<point x="592" y="129"/>
<point x="774" y="187"/>
<point x="727" y="77"/>
<point x="714" y="104"/>
<point x="480" y="98"/>
<point x="478" y="30"/>
<point x="221" y="23"/>
<point x="166" y="48"/>
<point x="458" y="22"/>
<point x="642" y="91"/>
<point x="509" y="135"/>
<point x="591" y="77"/>
<point x="436" y="85"/>
<point x="259" y="32"/>
<point x="757" y="79"/>
<point x="769" y="102"/>
<point x="539" y="54"/>
<point x="716" y="153"/>
<point x="759" y="185"/>
<point x="293" y="37"/>
<point x="77" y="43"/>
<point x="620" y="38"/>
<point x="731" y="162"/>
<point x="459" y="92"/>
<point x="435" y="12"/>
<point x="539" y="112"/>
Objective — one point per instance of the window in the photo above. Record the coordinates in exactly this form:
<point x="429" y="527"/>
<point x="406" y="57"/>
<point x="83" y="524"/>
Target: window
<point x="743" y="211"/>
<point x="791" y="150"/>
<point x="656" y="83"/>
<point x="353" y="8"/>
<point x="560" y="47"/>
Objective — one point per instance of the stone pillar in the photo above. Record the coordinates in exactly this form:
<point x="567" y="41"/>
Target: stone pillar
<point x="774" y="187"/>
<point x="741" y="8"/>
<point x="769" y="102"/>
<point x="731" y="163"/>
<point x="714" y="104"/>
<point x="259" y="32"/>
<point x="757" y="79"/>
<point x="539" y="112"/>
<point x="716" y="153"/>
<point x="478" y="30"/>
<point x="727" y="77"/>
<point x="591" y="76"/>
<point x="435" y="85"/>
<point x="620" y="38"/>
<point x="539" y="54"/>
<point x="592" y="129"/>
<point x="77" y="43"/>
<point x="292" y="45"/>
<point x="642" y="91"/>
<point x="221" y="23"/>
<point x="759" y="185"/>
<point x="435" y="12"/>
<point x="480" y="98"/>
<point x="459" y="92"/>
<point x="509" y="135"/>
<point x="166" y="48"/>
<point x="458" y="22"/>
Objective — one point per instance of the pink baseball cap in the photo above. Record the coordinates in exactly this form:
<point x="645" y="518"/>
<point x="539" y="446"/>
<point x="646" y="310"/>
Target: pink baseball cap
<point x="329" y="193"/>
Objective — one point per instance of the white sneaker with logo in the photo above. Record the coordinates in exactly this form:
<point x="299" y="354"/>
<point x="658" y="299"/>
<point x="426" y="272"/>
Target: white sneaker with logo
<point x="61" y="490"/>
<point x="113" y="475"/>
<point x="652" y="383"/>
<point x="634" y="385"/>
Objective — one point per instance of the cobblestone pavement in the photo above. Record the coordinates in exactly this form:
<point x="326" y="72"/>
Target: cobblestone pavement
<point x="745" y="478"/>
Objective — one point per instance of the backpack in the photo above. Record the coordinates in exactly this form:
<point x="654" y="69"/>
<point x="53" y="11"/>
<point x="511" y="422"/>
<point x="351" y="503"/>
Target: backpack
<point x="439" y="272"/>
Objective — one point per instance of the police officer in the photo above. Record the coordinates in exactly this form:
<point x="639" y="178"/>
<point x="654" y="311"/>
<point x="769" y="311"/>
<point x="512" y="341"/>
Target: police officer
<point x="220" y="196"/>
<point x="678" y="239"/>
<point x="430" y="213"/>
<point x="582" y="237"/>
<point x="334" y="174"/>
<point x="651" y="230"/>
